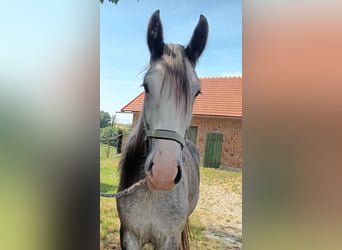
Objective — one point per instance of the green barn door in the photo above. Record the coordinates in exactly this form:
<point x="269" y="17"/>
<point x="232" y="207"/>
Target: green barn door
<point x="192" y="134"/>
<point x="212" y="150"/>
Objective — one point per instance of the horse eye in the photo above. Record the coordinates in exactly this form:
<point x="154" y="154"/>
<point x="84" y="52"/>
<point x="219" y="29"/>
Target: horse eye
<point x="145" y="87"/>
<point x="198" y="92"/>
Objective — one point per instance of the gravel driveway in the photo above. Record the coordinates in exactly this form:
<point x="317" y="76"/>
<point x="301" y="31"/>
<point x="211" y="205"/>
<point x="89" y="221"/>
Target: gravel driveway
<point x="222" y="214"/>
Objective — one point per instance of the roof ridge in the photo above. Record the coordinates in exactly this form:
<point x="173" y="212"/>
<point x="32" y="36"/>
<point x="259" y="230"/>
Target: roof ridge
<point x="131" y="101"/>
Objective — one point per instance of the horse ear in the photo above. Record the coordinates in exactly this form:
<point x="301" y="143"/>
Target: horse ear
<point x="198" y="40"/>
<point x="155" y="39"/>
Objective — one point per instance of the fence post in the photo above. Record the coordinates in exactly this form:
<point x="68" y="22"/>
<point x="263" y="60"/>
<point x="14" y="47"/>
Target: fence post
<point x="109" y="139"/>
<point x="108" y="150"/>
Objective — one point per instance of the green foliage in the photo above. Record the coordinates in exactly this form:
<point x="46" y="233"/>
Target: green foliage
<point x="107" y="132"/>
<point x="105" y="119"/>
<point x="126" y="128"/>
<point x="113" y="132"/>
<point x="113" y="1"/>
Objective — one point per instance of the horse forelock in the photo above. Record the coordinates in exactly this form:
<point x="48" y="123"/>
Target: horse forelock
<point x="175" y="75"/>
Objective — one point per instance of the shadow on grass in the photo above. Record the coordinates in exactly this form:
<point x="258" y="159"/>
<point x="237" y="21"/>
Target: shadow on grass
<point x="104" y="188"/>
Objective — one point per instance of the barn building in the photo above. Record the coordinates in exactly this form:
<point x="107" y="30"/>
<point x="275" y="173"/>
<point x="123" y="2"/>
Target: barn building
<point x="216" y="126"/>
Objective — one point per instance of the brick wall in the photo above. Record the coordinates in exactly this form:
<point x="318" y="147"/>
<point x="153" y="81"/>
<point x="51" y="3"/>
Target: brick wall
<point x="135" y="119"/>
<point x="231" y="154"/>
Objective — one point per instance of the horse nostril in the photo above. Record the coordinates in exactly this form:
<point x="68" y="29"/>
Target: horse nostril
<point x="150" y="166"/>
<point x="179" y="175"/>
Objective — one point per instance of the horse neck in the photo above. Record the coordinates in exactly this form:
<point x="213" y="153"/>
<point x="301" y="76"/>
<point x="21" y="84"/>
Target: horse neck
<point x="133" y="158"/>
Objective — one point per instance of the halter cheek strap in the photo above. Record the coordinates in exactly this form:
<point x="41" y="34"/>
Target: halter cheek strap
<point x="166" y="135"/>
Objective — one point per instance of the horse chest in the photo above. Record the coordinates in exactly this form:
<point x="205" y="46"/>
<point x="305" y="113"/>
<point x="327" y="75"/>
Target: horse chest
<point x="153" y="212"/>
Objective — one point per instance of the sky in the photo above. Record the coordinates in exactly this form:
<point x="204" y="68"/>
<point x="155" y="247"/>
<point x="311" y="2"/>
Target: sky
<point x="124" y="54"/>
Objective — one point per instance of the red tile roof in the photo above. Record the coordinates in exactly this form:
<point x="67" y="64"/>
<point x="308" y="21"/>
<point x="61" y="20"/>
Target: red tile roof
<point x="221" y="96"/>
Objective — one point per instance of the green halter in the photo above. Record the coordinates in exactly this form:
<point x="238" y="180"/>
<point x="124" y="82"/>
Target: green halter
<point x="166" y="135"/>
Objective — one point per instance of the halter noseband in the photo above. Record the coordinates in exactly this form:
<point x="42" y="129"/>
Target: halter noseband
<point x="165" y="135"/>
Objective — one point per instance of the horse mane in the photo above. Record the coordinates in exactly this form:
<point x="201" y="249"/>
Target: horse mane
<point x="132" y="162"/>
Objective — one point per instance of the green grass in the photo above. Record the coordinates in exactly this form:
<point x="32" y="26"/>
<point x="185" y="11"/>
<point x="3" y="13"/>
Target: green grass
<point x="230" y="180"/>
<point x="104" y="151"/>
<point x="109" y="221"/>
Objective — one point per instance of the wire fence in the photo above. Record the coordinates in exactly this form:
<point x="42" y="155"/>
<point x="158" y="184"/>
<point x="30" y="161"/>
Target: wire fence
<point x="115" y="150"/>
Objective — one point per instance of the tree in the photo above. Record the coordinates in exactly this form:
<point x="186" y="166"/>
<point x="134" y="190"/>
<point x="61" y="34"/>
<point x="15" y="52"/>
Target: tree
<point x="113" y="1"/>
<point x="105" y="119"/>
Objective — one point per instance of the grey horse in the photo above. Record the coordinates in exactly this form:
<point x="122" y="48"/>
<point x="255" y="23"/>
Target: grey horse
<point x="157" y="150"/>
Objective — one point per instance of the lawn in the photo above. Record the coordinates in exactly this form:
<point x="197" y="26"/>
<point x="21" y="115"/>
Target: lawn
<point x="109" y="222"/>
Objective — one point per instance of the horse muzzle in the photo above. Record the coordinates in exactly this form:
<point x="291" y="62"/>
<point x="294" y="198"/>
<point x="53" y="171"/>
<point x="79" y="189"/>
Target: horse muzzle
<point x="164" y="170"/>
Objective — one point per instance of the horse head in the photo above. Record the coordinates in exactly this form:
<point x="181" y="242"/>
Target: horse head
<point x="171" y="86"/>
